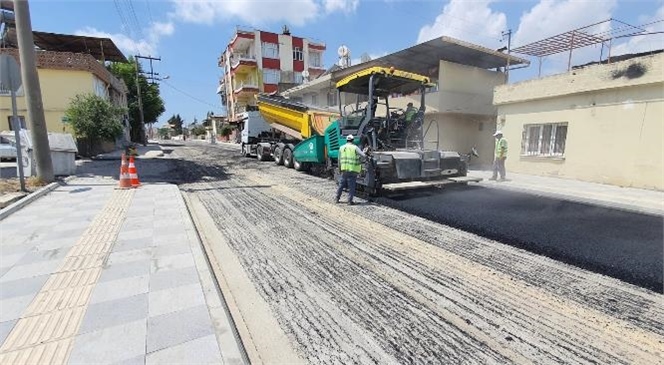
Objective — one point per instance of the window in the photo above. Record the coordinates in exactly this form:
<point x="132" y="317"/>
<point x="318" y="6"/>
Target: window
<point x="314" y="99"/>
<point x="298" y="78"/>
<point x="332" y="98"/>
<point x="21" y="120"/>
<point x="271" y="76"/>
<point x="270" y="50"/>
<point x="315" y="60"/>
<point x="297" y="54"/>
<point x="546" y="140"/>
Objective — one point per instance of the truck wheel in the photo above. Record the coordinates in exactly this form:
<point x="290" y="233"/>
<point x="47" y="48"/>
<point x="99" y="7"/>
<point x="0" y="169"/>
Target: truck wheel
<point x="300" y="166"/>
<point x="288" y="158"/>
<point x="259" y="153"/>
<point x="278" y="156"/>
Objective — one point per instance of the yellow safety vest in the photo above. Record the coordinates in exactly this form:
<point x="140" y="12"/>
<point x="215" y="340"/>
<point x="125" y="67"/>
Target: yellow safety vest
<point x="501" y="148"/>
<point x="348" y="159"/>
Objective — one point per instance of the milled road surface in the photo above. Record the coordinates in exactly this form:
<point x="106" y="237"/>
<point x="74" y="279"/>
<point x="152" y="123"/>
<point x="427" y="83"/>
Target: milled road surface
<point x="371" y="284"/>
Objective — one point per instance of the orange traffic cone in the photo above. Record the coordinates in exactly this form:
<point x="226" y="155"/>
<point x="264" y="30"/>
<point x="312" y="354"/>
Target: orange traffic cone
<point x="125" y="180"/>
<point x="133" y="175"/>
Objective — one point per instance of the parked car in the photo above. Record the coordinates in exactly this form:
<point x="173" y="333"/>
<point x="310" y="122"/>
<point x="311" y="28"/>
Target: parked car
<point x="7" y="149"/>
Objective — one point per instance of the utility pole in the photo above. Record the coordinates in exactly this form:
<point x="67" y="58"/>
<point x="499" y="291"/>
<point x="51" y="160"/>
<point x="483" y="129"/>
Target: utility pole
<point x="33" y="99"/>
<point x="138" y="90"/>
<point x="509" y="49"/>
<point x="140" y="103"/>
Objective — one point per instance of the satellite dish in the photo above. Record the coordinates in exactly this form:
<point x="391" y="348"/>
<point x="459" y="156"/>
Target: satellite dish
<point x="305" y="74"/>
<point x="343" y="51"/>
<point x="365" y="58"/>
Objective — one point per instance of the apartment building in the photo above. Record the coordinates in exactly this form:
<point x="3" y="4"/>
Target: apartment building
<point x="258" y="61"/>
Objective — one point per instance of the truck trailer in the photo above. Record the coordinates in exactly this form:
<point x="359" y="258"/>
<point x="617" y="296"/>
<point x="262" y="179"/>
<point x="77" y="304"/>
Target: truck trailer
<point x="304" y="137"/>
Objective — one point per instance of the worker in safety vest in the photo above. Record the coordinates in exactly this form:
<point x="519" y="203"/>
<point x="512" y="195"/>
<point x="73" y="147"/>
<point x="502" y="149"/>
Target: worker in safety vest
<point x="410" y="113"/>
<point x="500" y="156"/>
<point x="350" y="166"/>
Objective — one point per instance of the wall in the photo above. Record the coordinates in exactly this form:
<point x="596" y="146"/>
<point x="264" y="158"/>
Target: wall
<point x="286" y="52"/>
<point x="466" y="89"/>
<point x="58" y="88"/>
<point x="461" y="132"/>
<point x="615" y="127"/>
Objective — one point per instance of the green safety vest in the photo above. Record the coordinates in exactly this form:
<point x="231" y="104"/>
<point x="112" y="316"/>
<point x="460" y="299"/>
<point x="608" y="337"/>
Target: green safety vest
<point x="348" y="159"/>
<point x="410" y="114"/>
<point x="501" y="148"/>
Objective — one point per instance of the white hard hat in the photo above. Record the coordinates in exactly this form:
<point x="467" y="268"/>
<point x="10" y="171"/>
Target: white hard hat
<point x="350" y="137"/>
<point x="497" y="133"/>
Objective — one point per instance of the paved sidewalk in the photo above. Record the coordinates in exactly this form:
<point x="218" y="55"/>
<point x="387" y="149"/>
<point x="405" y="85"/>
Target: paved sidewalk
<point x="91" y="274"/>
<point x="149" y="151"/>
<point x="630" y="199"/>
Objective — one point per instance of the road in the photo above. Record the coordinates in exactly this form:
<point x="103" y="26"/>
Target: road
<point x="374" y="284"/>
<point x="623" y="245"/>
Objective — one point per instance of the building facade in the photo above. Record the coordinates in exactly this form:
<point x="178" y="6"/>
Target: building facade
<point x="600" y="123"/>
<point x="258" y="61"/>
<point x="62" y="76"/>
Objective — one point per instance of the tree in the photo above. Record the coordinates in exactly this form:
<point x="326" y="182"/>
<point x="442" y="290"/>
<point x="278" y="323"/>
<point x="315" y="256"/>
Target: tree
<point x="94" y="118"/>
<point x="164" y="132"/>
<point x="176" y="124"/>
<point x="153" y="105"/>
<point x="226" y="130"/>
<point x="197" y="129"/>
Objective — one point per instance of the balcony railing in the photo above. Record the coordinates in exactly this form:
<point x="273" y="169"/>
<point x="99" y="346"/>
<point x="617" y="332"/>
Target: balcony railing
<point x="235" y="60"/>
<point x="249" y="84"/>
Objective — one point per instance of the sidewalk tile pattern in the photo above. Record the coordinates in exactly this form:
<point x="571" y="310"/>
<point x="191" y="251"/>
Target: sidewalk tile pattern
<point x="124" y="283"/>
<point x="55" y="313"/>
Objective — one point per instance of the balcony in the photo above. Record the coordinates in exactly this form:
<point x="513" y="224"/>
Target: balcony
<point x="245" y="88"/>
<point x="243" y="63"/>
<point x="241" y="38"/>
<point x="221" y="89"/>
<point x="316" y="44"/>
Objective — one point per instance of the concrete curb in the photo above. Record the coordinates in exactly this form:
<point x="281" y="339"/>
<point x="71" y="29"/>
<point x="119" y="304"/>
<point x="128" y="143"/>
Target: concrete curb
<point x="205" y="252"/>
<point x="13" y="208"/>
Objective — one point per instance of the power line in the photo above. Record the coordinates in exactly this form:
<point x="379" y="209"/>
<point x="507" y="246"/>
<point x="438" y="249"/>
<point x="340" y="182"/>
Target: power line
<point x="134" y="18"/>
<point x="123" y="20"/>
<point x="147" y="2"/>
<point x="191" y="96"/>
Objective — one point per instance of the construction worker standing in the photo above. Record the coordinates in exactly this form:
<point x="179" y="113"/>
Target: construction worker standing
<point x="350" y="166"/>
<point x="500" y="156"/>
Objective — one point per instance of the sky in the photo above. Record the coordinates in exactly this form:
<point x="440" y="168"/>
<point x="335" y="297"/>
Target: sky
<point x="189" y="35"/>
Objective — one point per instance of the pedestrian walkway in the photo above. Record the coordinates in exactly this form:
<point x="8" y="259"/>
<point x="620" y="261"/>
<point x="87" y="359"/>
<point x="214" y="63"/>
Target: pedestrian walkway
<point x="149" y="151"/>
<point x="92" y="274"/>
<point x="630" y="199"/>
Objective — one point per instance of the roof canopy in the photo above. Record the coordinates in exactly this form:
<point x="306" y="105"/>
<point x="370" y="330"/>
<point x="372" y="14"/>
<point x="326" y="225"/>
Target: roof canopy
<point x="389" y="81"/>
<point x="102" y="49"/>
<point x="424" y="58"/>
<point x="578" y="38"/>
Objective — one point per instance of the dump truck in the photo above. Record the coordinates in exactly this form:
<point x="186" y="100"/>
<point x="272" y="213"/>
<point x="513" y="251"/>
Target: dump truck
<point x="280" y="126"/>
<point x="393" y="139"/>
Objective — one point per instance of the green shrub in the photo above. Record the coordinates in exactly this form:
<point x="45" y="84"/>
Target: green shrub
<point x="94" y="118"/>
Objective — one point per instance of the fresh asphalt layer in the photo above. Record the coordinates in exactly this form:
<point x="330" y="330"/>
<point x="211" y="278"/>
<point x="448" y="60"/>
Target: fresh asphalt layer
<point x="624" y="245"/>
